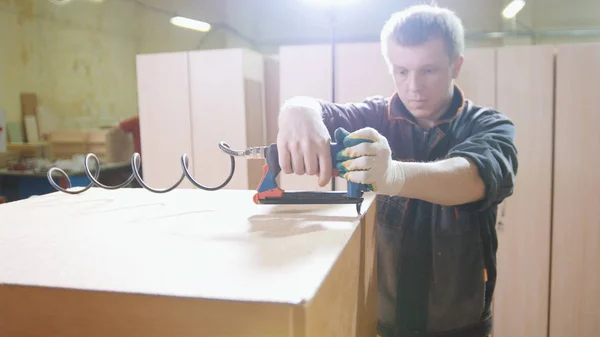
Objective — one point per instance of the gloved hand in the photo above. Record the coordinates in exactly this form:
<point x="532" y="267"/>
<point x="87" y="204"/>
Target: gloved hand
<point x="367" y="159"/>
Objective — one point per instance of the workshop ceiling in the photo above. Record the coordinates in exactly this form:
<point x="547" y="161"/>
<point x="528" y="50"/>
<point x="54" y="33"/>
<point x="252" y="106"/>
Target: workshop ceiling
<point x="277" y="21"/>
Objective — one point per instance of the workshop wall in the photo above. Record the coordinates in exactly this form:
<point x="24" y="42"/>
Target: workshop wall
<point x="80" y="58"/>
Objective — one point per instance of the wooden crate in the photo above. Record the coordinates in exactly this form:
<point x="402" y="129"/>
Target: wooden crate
<point x="30" y="150"/>
<point x="110" y="145"/>
<point x="8" y="157"/>
<point x="66" y="144"/>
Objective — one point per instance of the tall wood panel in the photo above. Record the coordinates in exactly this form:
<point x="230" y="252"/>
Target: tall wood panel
<point x="226" y="88"/>
<point x="164" y="111"/>
<point x="477" y="77"/>
<point x="304" y="71"/>
<point x="361" y="72"/>
<point x="575" y="280"/>
<point x="271" y="65"/>
<point x="189" y="103"/>
<point x="525" y="94"/>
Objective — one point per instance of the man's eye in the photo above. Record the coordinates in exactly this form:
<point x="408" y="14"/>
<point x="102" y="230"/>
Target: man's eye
<point x="401" y="72"/>
<point x="428" y="71"/>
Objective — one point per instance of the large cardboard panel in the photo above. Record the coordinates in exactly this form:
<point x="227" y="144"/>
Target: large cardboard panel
<point x="187" y="263"/>
<point x="165" y="124"/>
<point x="575" y="280"/>
<point x="525" y="80"/>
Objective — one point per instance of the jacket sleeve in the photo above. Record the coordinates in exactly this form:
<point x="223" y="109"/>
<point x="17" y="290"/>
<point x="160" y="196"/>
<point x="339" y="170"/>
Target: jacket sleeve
<point x="354" y="116"/>
<point x="490" y="146"/>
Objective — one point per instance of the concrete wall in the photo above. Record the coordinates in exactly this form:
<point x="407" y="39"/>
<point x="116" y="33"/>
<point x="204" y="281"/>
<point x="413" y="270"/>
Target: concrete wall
<point x="80" y="58"/>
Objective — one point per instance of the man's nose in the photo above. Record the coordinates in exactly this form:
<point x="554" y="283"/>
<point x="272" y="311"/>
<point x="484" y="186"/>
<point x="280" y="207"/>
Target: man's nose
<point x="415" y="82"/>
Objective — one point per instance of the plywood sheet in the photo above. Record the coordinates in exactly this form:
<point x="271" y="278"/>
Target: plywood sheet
<point x="134" y="263"/>
<point x="575" y="282"/>
<point x="31" y="128"/>
<point x="164" y="110"/>
<point x="29" y="102"/>
<point x="304" y="70"/>
<point x="477" y="78"/>
<point x="525" y="94"/>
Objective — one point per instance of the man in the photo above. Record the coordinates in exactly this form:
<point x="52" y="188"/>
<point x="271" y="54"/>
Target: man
<point x="440" y="165"/>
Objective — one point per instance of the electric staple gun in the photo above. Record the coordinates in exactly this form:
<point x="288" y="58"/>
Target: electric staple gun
<point x="268" y="192"/>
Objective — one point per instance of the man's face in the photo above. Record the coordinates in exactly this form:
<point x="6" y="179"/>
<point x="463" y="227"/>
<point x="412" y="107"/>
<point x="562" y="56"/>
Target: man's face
<point x="423" y="76"/>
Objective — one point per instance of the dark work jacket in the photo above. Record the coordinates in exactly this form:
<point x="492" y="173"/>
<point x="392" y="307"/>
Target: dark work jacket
<point x="436" y="264"/>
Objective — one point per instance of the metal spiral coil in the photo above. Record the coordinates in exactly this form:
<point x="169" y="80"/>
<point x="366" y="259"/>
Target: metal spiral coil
<point x="135" y="166"/>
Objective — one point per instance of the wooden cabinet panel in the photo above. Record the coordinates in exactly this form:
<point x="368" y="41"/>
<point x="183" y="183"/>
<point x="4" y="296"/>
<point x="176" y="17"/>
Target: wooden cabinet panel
<point x="271" y="69"/>
<point x="575" y="279"/>
<point x="164" y="110"/>
<point x="525" y="94"/>
<point x="361" y="72"/>
<point x="304" y="71"/>
<point x="191" y="101"/>
<point x="226" y="88"/>
<point x="477" y="77"/>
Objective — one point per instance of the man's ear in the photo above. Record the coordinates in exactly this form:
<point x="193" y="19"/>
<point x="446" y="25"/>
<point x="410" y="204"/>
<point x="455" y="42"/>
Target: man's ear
<point x="457" y="66"/>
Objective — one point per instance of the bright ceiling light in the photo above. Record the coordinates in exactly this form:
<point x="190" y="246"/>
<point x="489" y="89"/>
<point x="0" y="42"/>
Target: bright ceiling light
<point x="190" y="24"/>
<point x="513" y="8"/>
<point x="59" y="2"/>
<point x="331" y="2"/>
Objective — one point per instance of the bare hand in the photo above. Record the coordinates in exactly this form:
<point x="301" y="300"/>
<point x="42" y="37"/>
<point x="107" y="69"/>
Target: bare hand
<point x="303" y="143"/>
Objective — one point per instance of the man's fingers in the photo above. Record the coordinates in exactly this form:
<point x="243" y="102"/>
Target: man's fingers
<point x="360" y="177"/>
<point x="284" y="158"/>
<point x="325" y="167"/>
<point x="358" y="164"/>
<point x="362" y="149"/>
<point x="362" y="135"/>
<point x="297" y="158"/>
<point x="311" y="162"/>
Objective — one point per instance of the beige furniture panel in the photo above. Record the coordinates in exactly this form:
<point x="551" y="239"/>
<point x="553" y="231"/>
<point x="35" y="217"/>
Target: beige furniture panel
<point x="226" y="87"/>
<point x="477" y="77"/>
<point x="575" y="281"/>
<point x="525" y="94"/>
<point x="271" y="66"/>
<point x="130" y="263"/>
<point x="361" y="72"/>
<point x="304" y="71"/>
<point x="191" y="101"/>
<point x="164" y="110"/>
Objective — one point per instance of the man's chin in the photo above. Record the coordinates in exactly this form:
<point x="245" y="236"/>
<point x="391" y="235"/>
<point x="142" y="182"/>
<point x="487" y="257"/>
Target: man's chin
<point x="420" y="112"/>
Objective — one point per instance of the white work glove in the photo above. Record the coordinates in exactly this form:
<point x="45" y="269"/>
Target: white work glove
<point x="303" y="141"/>
<point x="367" y="159"/>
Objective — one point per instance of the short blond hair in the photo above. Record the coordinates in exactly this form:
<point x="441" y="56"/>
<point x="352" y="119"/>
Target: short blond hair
<point x="417" y="24"/>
